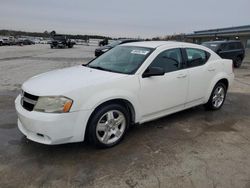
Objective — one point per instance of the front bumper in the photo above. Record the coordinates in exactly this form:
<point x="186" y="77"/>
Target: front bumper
<point x="51" y="128"/>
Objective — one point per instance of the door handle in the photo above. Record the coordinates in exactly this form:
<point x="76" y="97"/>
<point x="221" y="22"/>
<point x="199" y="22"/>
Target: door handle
<point x="182" y="76"/>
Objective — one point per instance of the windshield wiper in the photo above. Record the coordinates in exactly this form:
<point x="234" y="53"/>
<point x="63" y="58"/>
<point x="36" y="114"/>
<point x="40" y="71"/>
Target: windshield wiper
<point x="99" y="68"/>
<point x="104" y="69"/>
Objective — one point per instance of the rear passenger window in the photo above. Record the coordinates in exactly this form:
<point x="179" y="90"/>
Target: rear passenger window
<point x="238" y="45"/>
<point x="232" y="46"/>
<point x="224" y="47"/>
<point x="196" y="57"/>
<point x="169" y="60"/>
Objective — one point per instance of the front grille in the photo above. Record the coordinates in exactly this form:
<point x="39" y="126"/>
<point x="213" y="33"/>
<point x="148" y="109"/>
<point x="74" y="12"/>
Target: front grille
<point x="28" y="101"/>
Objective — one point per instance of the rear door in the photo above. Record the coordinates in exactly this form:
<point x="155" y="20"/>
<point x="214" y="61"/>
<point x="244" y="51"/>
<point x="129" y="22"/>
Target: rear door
<point x="200" y="75"/>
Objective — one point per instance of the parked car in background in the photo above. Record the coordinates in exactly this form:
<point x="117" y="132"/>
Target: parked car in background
<point x="102" y="50"/>
<point x="19" y="42"/>
<point x="16" y="41"/>
<point x="44" y="42"/>
<point x="232" y="49"/>
<point x="12" y="40"/>
<point x="104" y="42"/>
<point x="27" y="42"/>
<point x="36" y="41"/>
<point x="132" y="83"/>
<point x="5" y="41"/>
<point x="61" y="41"/>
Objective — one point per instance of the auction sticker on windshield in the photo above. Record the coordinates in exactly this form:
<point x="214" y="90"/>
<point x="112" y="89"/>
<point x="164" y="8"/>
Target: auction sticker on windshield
<point x="140" y="52"/>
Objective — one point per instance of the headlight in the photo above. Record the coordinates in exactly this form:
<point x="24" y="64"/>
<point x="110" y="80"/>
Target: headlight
<point x="104" y="50"/>
<point x="57" y="104"/>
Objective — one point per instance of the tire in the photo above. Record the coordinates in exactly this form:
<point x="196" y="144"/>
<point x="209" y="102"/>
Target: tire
<point x="51" y="47"/>
<point x="217" y="97"/>
<point x="108" y="126"/>
<point x="237" y="62"/>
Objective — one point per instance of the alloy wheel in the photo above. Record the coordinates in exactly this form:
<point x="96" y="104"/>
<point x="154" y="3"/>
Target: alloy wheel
<point x="218" y="97"/>
<point x="111" y="127"/>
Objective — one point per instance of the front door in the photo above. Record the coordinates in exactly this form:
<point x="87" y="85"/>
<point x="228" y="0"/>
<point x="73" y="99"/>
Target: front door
<point x="161" y="95"/>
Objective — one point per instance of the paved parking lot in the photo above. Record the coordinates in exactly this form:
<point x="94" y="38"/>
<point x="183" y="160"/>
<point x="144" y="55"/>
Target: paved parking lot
<point x="193" y="148"/>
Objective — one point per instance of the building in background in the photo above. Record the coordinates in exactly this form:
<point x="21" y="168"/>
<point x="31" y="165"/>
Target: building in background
<point x="230" y="33"/>
<point x="241" y="33"/>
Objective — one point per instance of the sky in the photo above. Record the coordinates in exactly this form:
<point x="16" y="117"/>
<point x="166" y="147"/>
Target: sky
<point x="122" y="18"/>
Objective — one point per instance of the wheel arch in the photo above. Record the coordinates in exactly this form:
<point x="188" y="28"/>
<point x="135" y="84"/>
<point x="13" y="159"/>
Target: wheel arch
<point x="240" y="56"/>
<point x="222" y="79"/>
<point x="124" y="102"/>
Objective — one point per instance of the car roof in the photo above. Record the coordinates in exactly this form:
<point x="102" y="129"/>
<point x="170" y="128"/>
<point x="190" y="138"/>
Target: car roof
<point x="156" y="44"/>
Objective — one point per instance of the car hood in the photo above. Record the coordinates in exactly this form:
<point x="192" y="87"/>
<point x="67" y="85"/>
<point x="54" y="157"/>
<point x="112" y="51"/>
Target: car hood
<point x="59" y="82"/>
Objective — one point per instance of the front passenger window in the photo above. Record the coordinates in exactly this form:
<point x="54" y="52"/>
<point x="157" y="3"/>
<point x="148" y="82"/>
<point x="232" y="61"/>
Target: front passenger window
<point x="169" y="60"/>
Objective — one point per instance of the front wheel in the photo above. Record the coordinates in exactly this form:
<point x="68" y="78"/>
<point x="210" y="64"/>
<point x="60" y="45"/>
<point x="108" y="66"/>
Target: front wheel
<point x="108" y="125"/>
<point x="217" y="97"/>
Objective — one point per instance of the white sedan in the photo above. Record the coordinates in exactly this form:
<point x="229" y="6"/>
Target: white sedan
<point x="132" y="83"/>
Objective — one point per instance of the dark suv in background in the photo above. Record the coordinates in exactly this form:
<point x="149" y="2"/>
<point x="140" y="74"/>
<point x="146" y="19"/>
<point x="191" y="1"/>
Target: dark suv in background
<point x="61" y="41"/>
<point x="232" y="49"/>
<point x="102" y="50"/>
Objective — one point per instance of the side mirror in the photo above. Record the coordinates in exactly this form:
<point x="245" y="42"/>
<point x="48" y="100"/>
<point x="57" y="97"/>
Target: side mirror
<point x="153" y="71"/>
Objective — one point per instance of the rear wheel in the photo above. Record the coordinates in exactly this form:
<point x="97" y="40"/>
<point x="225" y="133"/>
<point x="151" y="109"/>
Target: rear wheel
<point x="108" y="125"/>
<point x="217" y="97"/>
<point x="237" y="62"/>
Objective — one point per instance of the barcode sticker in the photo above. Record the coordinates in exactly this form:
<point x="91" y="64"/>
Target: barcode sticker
<point x="140" y="52"/>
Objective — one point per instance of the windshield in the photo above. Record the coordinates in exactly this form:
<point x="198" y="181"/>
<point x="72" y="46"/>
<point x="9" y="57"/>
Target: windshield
<point x="212" y="46"/>
<point x="115" y="43"/>
<point x="122" y="59"/>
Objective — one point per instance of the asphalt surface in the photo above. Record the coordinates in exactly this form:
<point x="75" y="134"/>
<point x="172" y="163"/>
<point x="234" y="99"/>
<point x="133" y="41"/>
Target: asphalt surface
<point x="193" y="148"/>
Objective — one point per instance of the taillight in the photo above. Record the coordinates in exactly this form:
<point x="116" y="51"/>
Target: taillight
<point x="232" y="67"/>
